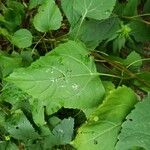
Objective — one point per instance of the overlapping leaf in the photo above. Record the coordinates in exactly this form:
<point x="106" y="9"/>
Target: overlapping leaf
<point x="65" y="77"/>
<point x="71" y="14"/>
<point x="136" y="130"/>
<point x="19" y="127"/>
<point x="8" y="64"/>
<point x="96" y="9"/>
<point x="101" y="130"/>
<point x="101" y="30"/>
<point x="48" y="17"/>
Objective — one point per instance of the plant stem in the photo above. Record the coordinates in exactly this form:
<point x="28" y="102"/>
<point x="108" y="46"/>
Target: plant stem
<point x="82" y="19"/>
<point x="120" y="67"/>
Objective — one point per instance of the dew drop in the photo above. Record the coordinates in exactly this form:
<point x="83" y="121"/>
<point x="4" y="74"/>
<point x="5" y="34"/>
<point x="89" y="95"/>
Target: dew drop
<point x="96" y="118"/>
<point x="95" y="142"/>
<point x="75" y="86"/>
<point x="60" y="130"/>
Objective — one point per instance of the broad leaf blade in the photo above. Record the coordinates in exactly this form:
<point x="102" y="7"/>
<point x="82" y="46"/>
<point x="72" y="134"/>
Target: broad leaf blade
<point x="48" y="17"/>
<point x="72" y="15"/>
<point x="19" y="127"/>
<point x="140" y="31"/>
<point x="101" y="30"/>
<point x="136" y="130"/>
<point x="96" y="9"/>
<point x="101" y="130"/>
<point x="65" y="77"/>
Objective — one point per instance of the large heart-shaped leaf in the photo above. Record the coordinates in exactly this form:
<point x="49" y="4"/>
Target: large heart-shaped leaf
<point x="96" y="9"/>
<point x="66" y="77"/>
<point x="48" y="17"/>
<point x="136" y="130"/>
<point x="101" y="130"/>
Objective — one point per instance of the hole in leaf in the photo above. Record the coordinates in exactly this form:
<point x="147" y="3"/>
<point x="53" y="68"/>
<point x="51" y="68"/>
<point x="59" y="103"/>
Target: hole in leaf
<point x="130" y="119"/>
<point x="95" y="142"/>
<point x="77" y="114"/>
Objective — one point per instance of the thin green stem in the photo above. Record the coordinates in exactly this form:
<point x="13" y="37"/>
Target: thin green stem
<point x="144" y="59"/>
<point x="121" y="68"/>
<point x="136" y="16"/>
<point x="109" y="75"/>
<point x="38" y="43"/>
<point x="82" y="19"/>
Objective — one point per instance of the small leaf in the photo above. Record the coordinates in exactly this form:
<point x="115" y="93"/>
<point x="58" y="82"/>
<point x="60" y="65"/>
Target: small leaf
<point x="22" y="38"/>
<point x="35" y="3"/>
<point x="64" y="131"/>
<point x="136" y="129"/>
<point x="48" y="17"/>
<point x="95" y="9"/>
<point x="102" y="128"/>
<point x="13" y="14"/>
<point x="9" y="63"/>
<point x="131" y="58"/>
<point x="19" y="127"/>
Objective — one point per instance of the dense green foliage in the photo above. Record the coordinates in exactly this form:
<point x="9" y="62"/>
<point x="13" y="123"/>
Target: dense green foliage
<point x="74" y="74"/>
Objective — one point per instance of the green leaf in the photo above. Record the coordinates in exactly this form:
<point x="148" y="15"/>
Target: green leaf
<point x="22" y="38"/>
<point x="102" y="128"/>
<point x="96" y="9"/>
<point x="19" y="127"/>
<point x="16" y="97"/>
<point x="35" y="3"/>
<point x="48" y="17"/>
<point x="64" y="131"/>
<point x="9" y="63"/>
<point x="13" y="14"/>
<point x="7" y="145"/>
<point x="27" y="57"/>
<point x="60" y="135"/>
<point x="140" y="31"/>
<point x="146" y="7"/>
<point x="101" y="30"/>
<point x="145" y="76"/>
<point x="64" y="77"/>
<point x="118" y="43"/>
<point x="2" y="117"/>
<point x="135" y="130"/>
<point x="131" y="58"/>
<point x="72" y="15"/>
<point x="130" y="8"/>
<point x="5" y="33"/>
